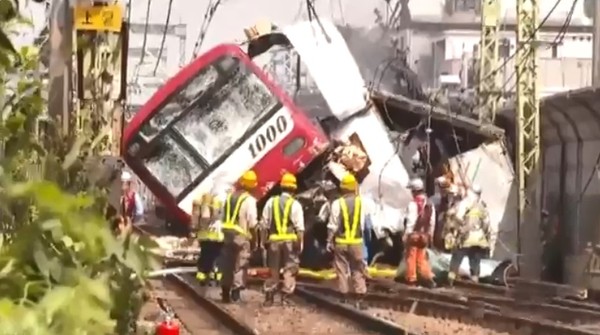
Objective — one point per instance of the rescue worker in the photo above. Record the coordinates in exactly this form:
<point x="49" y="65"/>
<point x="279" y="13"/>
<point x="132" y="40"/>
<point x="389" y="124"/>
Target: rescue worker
<point x="283" y="230"/>
<point x="239" y="221"/>
<point x="440" y="201"/>
<point x="132" y="206"/>
<point x="474" y="235"/>
<point x="345" y="238"/>
<point x="206" y="220"/>
<point x="449" y="221"/>
<point x="420" y="225"/>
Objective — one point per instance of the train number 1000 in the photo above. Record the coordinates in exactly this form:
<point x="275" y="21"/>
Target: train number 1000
<point x="268" y="136"/>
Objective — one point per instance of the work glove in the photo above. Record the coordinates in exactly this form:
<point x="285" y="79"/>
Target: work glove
<point x="329" y="246"/>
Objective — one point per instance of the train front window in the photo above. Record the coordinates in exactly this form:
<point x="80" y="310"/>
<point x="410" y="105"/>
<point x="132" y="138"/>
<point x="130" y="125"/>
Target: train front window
<point x="237" y="102"/>
<point x="170" y="164"/>
<point x="178" y="102"/>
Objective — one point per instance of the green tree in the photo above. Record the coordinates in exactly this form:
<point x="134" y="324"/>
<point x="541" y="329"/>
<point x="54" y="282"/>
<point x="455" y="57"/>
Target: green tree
<point x="62" y="271"/>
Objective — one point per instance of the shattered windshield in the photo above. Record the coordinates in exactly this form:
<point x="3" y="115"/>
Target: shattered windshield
<point x="177" y="103"/>
<point x="237" y="103"/>
<point x="172" y="165"/>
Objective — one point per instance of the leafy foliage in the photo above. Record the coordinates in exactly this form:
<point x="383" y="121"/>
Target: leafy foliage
<point x="62" y="271"/>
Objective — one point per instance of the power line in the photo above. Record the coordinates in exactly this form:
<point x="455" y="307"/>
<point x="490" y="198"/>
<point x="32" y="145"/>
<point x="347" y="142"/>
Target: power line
<point x="529" y="39"/>
<point x="145" y="40"/>
<point x="211" y="9"/>
<point x="164" y="37"/>
<point x="557" y="40"/>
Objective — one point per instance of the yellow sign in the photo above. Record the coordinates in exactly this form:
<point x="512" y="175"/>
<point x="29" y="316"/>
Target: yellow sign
<point x="99" y="18"/>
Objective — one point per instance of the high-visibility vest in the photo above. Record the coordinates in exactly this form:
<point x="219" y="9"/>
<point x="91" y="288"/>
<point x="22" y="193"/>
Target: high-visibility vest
<point x="280" y="231"/>
<point x="232" y="211"/>
<point x="208" y="232"/>
<point x="350" y="232"/>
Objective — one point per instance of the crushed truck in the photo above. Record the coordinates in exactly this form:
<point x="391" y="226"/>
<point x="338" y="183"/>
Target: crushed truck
<point x="224" y="114"/>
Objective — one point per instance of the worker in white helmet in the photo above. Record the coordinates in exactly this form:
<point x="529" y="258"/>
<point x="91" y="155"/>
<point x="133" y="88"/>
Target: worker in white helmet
<point x="475" y="235"/>
<point x="420" y="225"/>
<point x="132" y="206"/>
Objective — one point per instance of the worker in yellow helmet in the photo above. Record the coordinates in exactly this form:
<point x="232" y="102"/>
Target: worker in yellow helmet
<point x="239" y="220"/>
<point x="206" y="223"/>
<point x="345" y="239"/>
<point x="282" y="228"/>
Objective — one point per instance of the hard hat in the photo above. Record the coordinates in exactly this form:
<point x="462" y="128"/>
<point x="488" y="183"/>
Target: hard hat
<point x="126" y="176"/>
<point x="249" y="179"/>
<point x="348" y="182"/>
<point x="442" y="181"/>
<point x="476" y="189"/>
<point x="416" y="184"/>
<point x="288" y="180"/>
<point x="453" y="189"/>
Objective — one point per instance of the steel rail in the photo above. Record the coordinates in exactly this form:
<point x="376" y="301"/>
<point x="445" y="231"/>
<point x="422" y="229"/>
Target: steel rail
<point x="360" y="318"/>
<point x="443" y="306"/>
<point x="356" y="317"/>
<point x="551" y="308"/>
<point x="213" y="308"/>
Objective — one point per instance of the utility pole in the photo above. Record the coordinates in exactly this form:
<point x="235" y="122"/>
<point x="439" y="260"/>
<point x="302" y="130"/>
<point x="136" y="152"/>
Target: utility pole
<point x="528" y="141"/>
<point x="487" y="90"/>
<point x="596" y="50"/>
<point x="59" y="104"/>
<point x="99" y="77"/>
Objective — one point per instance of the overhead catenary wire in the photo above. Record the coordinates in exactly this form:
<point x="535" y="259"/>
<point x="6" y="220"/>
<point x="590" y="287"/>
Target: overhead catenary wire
<point x="145" y="38"/>
<point x="164" y="37"/>
<point x="528" y="41"/>
<point x="557" y="40"/>
<point x="209" y="14"/>
<point x="312" y="14"/>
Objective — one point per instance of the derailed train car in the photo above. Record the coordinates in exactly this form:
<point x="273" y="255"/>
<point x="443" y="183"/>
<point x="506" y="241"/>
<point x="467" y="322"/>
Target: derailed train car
<point x="380" y="137"/>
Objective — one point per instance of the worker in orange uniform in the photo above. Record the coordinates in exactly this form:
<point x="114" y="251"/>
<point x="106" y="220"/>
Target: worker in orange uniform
<point x="420" y="225"/>
<point x="239" y="220"/>
<point x="283" y="229"/>
<point x="344" y="238"/>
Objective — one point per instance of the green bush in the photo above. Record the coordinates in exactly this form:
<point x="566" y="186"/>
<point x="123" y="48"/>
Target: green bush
<point x="61" y="269"/>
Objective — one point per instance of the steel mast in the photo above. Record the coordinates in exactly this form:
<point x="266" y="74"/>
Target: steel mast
<point x="528" y="139"/>
<point x="488" y="91"/>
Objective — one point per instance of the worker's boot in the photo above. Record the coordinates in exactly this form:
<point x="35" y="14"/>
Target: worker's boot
<point x="359" y="302"/>
<point x="451" y="279"/>
<point x="429" y="283"/>
<point x="269" y="299"/>
<point x="235" y="295"/>
<point x="344" y="299"/>
<point x="475" y="279"/>
<point x="226" y="294"/>
<point x="285" y="299"/>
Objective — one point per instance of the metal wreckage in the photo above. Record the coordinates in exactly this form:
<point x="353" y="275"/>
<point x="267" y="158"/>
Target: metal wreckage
<point x="381" y="135"/>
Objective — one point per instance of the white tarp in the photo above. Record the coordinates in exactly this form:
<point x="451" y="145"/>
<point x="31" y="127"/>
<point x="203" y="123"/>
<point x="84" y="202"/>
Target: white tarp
<point x="440" y="265"/>
<point x="489" y="166"/>
<point x="330" y="63"/>
<point x="338" y="77"/>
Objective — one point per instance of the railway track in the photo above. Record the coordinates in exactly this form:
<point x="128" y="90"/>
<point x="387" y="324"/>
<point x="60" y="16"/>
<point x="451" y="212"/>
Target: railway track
<point x="550" y="315"/>
<point x="194" y="316"/>
<point x="521" y="307"/>
<point x="200" y="311"/>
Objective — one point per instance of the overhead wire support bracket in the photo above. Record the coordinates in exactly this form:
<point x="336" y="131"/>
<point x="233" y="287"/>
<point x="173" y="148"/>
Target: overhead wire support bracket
<point x="488" y="91"/>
